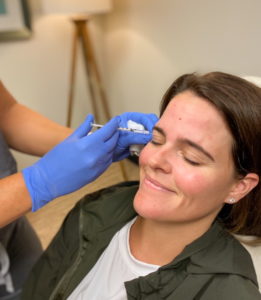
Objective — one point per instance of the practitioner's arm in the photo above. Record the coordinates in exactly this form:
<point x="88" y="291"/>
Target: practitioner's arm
<point x="15" y="199"/>
<point x="26" y="130"/>
<point x="71" y="164"/>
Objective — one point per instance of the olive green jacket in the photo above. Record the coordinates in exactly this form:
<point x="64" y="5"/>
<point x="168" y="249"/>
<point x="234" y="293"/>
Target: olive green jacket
<point x="213" y="267"/>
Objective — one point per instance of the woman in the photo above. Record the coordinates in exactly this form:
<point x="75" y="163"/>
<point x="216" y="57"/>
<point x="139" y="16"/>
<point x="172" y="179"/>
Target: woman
<point x="168" y="238"/>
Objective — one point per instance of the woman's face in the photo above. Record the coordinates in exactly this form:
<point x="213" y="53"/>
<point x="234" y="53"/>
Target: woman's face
<point x="186" y="171"/>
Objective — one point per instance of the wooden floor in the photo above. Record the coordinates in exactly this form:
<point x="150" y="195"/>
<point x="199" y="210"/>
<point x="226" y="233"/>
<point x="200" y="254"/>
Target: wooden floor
<point x="47" y="221"/>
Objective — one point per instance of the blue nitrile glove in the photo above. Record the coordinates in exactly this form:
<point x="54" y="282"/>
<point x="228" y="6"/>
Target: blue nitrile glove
<point x="128" y="138"/>
<point x="76" y="161"/>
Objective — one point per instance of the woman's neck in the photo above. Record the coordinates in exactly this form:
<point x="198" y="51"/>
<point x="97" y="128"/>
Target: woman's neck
<point x="159" y="243"/>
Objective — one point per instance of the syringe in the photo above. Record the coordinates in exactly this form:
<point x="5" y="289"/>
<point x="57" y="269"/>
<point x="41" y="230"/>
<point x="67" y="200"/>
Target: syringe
<point x="123" y="129"/>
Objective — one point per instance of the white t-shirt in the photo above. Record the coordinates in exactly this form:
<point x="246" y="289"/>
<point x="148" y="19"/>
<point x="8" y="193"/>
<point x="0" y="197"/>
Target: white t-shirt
<point x="115" y="266"/>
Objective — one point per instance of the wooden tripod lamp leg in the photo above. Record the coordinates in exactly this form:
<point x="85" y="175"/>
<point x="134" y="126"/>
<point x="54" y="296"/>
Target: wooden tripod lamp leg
<point x="92" y="72"/>
<point x="82" y="34"/>
<point x="72" y="78"/>
<point x="82" y="27"/>
<point x="92" y="61"/>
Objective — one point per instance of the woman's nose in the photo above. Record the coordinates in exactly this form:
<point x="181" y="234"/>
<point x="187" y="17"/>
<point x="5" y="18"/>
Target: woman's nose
<point x="160" y="159"/>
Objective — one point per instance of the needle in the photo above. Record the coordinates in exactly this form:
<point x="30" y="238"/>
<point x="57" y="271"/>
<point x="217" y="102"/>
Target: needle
<point x="123" y="129"/>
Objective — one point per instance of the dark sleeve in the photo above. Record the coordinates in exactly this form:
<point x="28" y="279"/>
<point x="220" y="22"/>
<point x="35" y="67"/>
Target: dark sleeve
<point x="55" y="261"/>
<point x="228" y="287"/>
<point x="63" y="250"/>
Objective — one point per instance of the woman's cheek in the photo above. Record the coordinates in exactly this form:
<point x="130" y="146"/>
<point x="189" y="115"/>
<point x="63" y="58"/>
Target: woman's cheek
<point x="143" y="155"/>
<point x="191" y="182"/>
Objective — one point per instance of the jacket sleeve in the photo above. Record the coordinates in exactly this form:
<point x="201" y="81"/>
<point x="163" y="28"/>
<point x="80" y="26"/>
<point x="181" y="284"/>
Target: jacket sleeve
<point x="54" y="262"/>
<point x="227" y="287"/>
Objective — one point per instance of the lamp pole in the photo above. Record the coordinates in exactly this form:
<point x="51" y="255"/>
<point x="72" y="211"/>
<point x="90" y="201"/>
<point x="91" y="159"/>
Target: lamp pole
<point x="81" y="35"/>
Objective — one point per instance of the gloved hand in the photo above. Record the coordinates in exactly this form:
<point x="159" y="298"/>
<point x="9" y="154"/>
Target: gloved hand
<point x="128" y="138"/>
<point x="76" y="161"/>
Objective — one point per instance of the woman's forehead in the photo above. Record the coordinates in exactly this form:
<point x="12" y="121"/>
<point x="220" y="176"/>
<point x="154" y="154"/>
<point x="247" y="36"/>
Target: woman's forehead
<point x="190" y="107"/>
<point x="193" y="117"/>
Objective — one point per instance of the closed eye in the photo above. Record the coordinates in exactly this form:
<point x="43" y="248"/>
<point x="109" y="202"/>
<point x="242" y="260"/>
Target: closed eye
<point x="157" y="143"/>
<point x="158" y="136"/>
<point x="188" y="160"/>
<point x="193" y="163"/>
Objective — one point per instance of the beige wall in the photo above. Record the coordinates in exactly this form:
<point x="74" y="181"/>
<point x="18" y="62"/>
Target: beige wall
<point x="36" y="70"/>
<point x="141" y="47"/>
<point x="150" y="42"/>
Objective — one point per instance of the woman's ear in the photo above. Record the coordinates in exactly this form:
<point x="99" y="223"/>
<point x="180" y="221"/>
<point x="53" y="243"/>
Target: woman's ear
<point x="242" y="187"/>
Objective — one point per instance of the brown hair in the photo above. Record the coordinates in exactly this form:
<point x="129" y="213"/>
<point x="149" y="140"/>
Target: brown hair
<point x="239" y="101"/>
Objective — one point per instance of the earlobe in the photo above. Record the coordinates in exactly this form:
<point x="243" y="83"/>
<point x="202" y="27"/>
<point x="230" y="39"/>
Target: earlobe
<point x="242" y="188"/>
<point x="231" y="200"/>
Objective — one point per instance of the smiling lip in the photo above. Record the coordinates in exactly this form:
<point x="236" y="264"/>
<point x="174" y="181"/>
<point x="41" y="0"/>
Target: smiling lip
<point x="156" y="185"/>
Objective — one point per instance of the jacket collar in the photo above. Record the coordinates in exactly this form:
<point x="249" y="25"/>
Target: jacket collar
<point x="216" y="251"/>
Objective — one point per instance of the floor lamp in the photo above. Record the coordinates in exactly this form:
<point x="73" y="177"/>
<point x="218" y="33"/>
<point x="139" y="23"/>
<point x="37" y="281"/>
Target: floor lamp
<point x="81" y="10"/>
<point x="82" y="36"/>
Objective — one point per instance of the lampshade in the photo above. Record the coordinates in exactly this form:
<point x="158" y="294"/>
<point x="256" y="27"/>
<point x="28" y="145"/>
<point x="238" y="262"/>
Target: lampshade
<point x="76" y="6"/>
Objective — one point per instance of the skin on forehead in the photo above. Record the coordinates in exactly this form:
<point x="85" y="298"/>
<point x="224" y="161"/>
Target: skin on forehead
<point x="193" y="121"/>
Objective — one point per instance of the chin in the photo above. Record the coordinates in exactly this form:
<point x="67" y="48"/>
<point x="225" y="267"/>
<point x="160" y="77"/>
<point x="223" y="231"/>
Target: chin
<point x="146" y="206"/>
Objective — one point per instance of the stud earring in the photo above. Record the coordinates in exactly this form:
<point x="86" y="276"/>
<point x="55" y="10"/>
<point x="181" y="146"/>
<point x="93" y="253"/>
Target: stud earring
<point x="232" y="200"/>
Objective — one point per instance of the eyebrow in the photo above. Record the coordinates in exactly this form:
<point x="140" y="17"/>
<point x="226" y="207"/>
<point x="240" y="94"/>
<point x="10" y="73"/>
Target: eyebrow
<point x="188" y="142"/>
<point x="160" y="130"/>
<point x="198" y="147"/>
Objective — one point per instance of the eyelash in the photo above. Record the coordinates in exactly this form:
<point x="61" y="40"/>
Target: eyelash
<point x="155" y="143"/>
<point x="191" y="162"/>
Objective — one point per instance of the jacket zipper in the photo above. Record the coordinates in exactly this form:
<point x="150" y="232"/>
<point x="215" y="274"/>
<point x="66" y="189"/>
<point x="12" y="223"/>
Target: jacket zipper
<point x="62" y="284"/>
